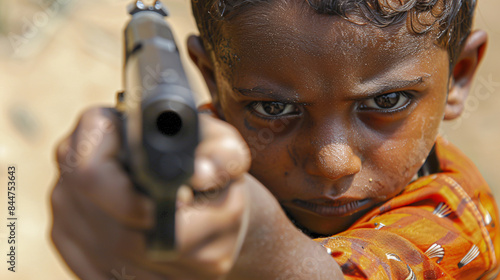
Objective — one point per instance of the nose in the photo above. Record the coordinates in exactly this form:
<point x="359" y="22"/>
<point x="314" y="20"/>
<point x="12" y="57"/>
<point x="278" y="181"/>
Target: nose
<point x="334" y="161"/>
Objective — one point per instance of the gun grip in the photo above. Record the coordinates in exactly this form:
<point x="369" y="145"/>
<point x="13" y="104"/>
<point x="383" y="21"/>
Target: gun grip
<point x="160" y="242"/>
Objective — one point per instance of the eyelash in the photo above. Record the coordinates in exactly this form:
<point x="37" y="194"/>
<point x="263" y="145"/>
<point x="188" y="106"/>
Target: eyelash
<point x="402" y="107"/>
<point x="256" y="105"/>
<point x="259" y="105"/>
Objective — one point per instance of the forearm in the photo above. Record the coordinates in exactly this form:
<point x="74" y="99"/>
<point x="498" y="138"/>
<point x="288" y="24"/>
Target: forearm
<point x="275" y="249"/>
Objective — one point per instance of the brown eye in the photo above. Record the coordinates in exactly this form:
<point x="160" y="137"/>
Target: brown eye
<point x="387" y="101"/>
<point x="274" y="109"/>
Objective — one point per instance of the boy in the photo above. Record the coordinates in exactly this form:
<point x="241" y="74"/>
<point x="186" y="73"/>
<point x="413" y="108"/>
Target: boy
<point x="339" y="104"/>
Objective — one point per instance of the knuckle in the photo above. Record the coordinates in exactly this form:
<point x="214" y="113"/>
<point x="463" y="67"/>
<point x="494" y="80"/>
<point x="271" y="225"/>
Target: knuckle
<point x="90" y="114"/>
<point x="236" y="142"/>
<point x="239" y="155"/>
<point x="231" y="131"/>
<point x="216" y="127"/>
<point x="229" y="143"/>
<point x="97" y="118"/>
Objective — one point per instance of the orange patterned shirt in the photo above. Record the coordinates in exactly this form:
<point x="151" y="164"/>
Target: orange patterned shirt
<point x="442" y="226"/>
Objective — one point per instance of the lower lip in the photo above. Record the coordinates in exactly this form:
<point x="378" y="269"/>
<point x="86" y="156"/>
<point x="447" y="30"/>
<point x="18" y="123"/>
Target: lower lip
<point x="332" y="211"/>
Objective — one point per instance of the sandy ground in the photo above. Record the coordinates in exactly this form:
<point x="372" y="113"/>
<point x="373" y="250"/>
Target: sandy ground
<point x="57" y="59"/>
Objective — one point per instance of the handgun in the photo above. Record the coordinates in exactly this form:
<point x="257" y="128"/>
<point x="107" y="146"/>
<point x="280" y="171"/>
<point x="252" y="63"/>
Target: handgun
<point x="161" y="126"/>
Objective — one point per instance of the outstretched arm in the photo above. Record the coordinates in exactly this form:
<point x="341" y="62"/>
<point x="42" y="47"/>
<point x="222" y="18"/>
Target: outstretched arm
<point x="100" y="220"/>
<point x="275" y="249"/>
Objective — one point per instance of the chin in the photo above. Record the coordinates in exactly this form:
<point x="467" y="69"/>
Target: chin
<point x="316" y="227"/>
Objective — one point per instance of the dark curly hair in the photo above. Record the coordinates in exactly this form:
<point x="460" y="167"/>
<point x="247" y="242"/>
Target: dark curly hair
<point x="452" y="17"/>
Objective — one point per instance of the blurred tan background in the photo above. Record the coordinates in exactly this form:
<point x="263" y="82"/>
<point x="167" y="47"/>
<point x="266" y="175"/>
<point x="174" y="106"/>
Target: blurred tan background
<point x="58" y="57"/>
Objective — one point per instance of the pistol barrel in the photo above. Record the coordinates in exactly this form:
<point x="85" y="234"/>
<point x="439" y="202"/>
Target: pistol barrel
<point x="161" y="127"/>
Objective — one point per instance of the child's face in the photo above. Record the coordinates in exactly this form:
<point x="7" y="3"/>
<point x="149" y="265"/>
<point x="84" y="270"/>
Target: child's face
<point x="339" y="116"/>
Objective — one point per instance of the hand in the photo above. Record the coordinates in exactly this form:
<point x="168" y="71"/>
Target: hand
<point x="100" y="220"/>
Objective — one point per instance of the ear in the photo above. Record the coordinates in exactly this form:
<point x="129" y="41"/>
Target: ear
<point x="463" y="73"/>
<point x="201" y="59"/>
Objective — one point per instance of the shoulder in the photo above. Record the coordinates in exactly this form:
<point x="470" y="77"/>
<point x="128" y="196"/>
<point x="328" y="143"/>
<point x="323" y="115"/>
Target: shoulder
<point x="442" y="225"/>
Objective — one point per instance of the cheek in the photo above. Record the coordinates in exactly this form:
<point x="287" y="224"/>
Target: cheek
<point x="269" y="152"/>
<point x="272" y="163"/>
<point x="269" y="166"/>
<point x="399" y="157"/>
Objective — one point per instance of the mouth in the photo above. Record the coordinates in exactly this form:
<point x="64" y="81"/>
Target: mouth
<point x="331" y="207"/>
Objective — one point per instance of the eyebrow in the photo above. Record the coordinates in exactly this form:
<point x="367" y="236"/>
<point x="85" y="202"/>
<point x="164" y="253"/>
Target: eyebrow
<point x="261" y="92"/>
<point x="380" y="88"/>
<point x="387" y="87"/>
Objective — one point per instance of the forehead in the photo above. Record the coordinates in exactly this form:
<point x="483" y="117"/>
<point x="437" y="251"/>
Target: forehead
<point x="291" y="31"/>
